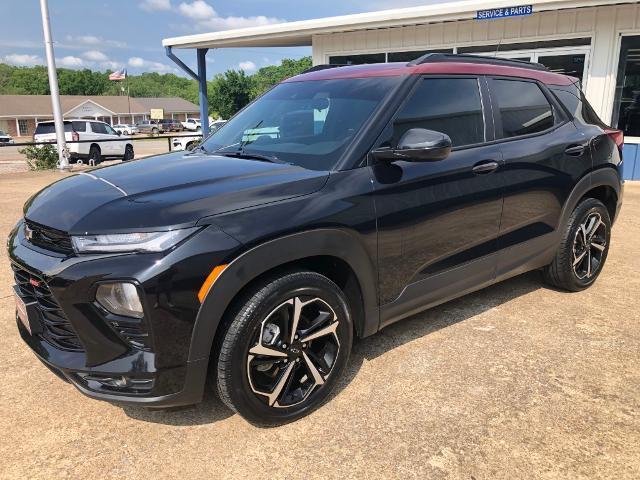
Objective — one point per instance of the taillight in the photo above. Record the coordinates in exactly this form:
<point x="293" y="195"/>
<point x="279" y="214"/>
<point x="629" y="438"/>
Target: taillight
<point x="74" y="136"/>
<point x="617" y="136"/>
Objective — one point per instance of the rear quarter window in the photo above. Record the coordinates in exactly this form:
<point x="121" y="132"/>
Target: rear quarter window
<point x="522" y="107"/>
<point x="79" y="126"/>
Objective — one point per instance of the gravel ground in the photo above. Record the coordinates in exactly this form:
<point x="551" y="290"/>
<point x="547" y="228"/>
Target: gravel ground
<point x="515" y="381"/>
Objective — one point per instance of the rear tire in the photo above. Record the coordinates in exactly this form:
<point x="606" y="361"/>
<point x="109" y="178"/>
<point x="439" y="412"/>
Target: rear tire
<point x="583" y="249"/>
<point x="128" y="153"/>
<point x="95" y="154"/>
<point x="286" y="345"/>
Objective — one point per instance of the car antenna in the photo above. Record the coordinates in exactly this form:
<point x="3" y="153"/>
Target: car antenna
<point x="495" y="54"/>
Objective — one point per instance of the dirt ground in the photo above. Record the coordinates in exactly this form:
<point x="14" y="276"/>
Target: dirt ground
<point x="515" y="381"/>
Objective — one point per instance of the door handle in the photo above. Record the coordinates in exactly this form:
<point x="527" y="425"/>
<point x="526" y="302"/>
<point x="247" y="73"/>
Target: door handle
<point x="574" y="150"/>
<point x="484" y="167"/>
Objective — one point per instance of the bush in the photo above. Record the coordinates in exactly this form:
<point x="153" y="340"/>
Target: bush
<point x="40" y="158"/>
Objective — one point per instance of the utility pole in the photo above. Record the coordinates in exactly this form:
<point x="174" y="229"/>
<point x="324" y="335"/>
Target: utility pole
<point x="63" y="154"/>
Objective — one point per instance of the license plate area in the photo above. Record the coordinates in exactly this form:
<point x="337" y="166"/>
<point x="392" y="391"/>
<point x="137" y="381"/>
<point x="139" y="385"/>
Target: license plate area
<point x="22" y="309"/>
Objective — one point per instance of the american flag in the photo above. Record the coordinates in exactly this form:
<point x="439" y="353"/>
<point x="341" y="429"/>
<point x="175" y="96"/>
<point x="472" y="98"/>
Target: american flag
<point x="119" y="75"/>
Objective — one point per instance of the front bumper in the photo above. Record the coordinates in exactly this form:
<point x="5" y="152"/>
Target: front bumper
<point x="105" y="363"/>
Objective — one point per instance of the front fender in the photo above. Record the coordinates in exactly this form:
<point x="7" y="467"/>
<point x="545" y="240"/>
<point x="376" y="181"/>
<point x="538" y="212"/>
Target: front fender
<point x="338" y="243"/>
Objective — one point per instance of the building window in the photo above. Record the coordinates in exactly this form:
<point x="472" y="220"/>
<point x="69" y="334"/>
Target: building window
<point x="626" y="106"/>
<point x="414" y="55"/>
<point x="446" y="105"/>
<point x="23" y="128"/>
<point x="358" y="59"/>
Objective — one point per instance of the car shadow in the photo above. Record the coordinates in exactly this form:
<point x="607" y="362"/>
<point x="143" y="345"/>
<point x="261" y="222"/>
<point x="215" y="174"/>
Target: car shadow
<point x="212" y="409"/>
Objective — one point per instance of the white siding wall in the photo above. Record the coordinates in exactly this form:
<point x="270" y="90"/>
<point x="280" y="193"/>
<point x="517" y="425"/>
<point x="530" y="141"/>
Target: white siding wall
<point x="604" y="25"/>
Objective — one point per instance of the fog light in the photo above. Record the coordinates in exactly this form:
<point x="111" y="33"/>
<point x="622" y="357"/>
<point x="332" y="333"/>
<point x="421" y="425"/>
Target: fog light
<point x="120" y="299"/>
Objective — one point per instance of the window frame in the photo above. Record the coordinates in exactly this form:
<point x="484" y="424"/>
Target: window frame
<point x="560" y="116"/>
<point x="487" y="119"/>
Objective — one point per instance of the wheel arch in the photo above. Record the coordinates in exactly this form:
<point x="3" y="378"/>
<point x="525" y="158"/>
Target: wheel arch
<point x="334" y="253"/>
<point x="603" y="184"/>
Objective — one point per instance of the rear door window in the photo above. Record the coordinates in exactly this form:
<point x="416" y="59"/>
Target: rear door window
<point x="446" y="105"/>
<point x="522" y="108"/>
<point x="79" y="126"/>
<point x="98" y="128"/>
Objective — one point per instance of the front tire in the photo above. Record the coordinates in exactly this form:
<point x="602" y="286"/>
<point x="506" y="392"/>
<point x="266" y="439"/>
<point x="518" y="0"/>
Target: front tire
<point x="287" y="343"/>
<point x="583" y="249"/>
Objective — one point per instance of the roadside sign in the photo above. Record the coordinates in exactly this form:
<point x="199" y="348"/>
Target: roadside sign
<point x="504" y="12"/>
<point x="157" y="113"/>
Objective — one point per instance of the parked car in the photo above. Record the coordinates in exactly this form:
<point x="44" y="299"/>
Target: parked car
<point x="192" y="124"/>
<point x="387" y="189"/>
<point x="102" y="141"/>
<point x="169" y="125"/>
<point x="188" y="142"/>
<point x="216" y="125"/>
<point x="126" y="129"/>
<point x="5" y="138"/>
<point x="151" y="127"/>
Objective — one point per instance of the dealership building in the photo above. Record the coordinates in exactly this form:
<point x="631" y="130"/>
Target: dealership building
<point x="597" y="41"/>
<point x="19" y="114"/>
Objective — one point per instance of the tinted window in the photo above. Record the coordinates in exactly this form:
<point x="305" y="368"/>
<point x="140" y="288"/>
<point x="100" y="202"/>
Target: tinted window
<point x="98" y="128"/>
<point x="446" y="105"/>
<point x="80" y="126"/>
<point x="50" y="127"/>
<point x="523" y="107"/>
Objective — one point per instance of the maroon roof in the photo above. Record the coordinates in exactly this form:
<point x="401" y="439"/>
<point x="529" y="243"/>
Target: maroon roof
<point x="441" y="68"/>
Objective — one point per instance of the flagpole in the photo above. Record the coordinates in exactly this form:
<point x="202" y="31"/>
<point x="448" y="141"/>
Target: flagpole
<point x="126" y="79"/>
<point x="63" y="160"/>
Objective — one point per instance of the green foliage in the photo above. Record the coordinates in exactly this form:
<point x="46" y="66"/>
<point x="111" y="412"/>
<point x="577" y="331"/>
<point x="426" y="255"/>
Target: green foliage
<point x="266" y="77"/>
<point x="228" y="92"/>
<point x="44" y="157"/>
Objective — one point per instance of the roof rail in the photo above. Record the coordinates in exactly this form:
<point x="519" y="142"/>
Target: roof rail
<point x="325" y="66"/>
<point x="465" y="58"/>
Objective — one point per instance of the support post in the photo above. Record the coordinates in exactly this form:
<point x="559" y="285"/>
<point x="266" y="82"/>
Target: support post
<point x="63" y="154"/>
<point x="202" y="90"/>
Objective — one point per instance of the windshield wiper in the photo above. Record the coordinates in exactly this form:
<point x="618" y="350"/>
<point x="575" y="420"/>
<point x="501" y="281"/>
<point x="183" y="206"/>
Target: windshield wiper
<point x="249" y="155"/>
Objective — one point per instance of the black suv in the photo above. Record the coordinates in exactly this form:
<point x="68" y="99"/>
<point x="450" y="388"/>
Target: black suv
<point x="339" y="202"/>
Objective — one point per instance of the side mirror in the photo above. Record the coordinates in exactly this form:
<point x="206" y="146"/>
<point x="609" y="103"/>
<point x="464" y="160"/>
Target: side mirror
<point x="417" y="145"/>
<point x="118" y="132"/>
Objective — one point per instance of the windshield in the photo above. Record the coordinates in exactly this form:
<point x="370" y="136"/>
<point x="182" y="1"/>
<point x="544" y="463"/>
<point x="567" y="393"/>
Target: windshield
<point x="309" y="124"/>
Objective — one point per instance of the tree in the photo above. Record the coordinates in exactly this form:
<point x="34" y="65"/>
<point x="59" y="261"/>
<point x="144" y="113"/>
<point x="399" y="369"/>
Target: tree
<point x="229" y="92"/>
<point x="266" y="77"/>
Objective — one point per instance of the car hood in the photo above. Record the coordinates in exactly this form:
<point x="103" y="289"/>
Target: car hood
<point x="170" y="190"/>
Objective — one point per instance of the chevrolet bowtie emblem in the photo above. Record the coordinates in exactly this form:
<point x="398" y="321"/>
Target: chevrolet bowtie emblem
<point x="28" y="232"/>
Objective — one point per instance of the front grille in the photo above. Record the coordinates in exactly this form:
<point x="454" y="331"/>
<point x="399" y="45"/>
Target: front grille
<point x="56" y="328"/>
<point x="48" y="238"/>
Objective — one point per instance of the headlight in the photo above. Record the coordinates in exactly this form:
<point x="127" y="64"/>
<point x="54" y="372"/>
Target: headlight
<point x="131" y="242"/>
<point x="120" y="299"/>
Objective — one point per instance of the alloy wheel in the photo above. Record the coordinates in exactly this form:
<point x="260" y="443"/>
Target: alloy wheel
<point x="294" y="351"/>
<point x="589" y="246"/>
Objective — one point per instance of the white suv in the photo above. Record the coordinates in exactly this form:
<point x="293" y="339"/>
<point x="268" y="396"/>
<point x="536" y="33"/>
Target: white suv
<point x="94" y="151"/>
<point x="192" y="124"/>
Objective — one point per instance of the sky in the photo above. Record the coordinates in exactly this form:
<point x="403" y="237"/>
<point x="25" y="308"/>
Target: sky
<point x="115" y="34"/>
